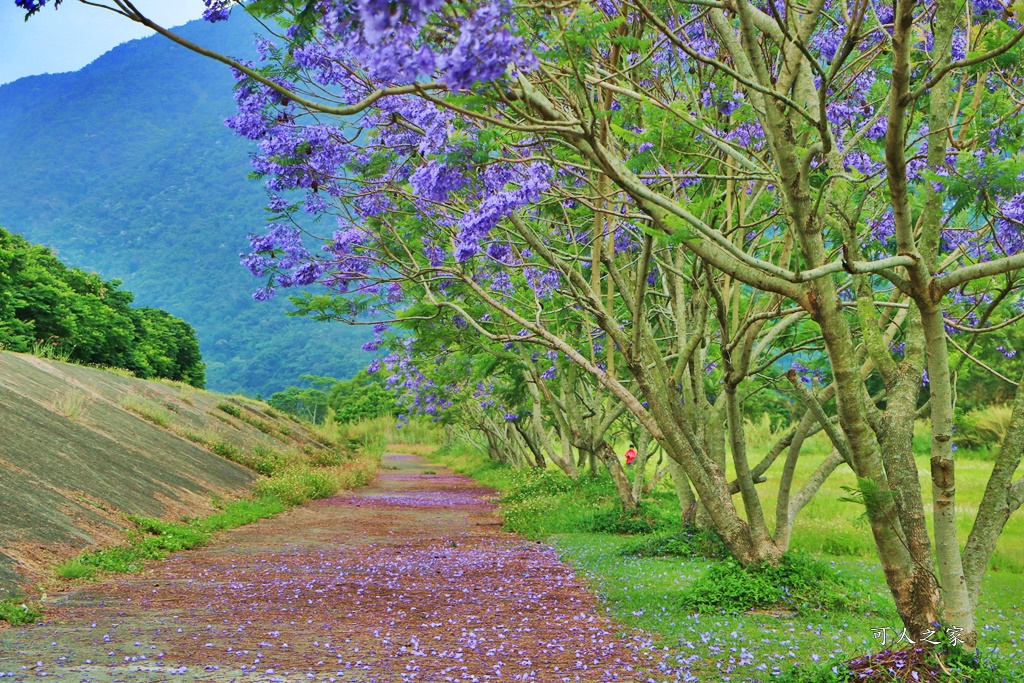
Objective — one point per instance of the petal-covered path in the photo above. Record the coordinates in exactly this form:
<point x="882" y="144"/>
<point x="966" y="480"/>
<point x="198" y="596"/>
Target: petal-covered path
<point x="411" y="579"/>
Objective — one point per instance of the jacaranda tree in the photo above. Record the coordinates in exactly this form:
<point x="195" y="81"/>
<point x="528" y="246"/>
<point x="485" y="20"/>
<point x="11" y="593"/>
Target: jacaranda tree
<point x="673" y="197"/>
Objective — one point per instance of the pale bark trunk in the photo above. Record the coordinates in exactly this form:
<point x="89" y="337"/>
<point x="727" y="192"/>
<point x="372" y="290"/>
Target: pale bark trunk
<point x="643" y="444"/>
<point x="956" y="602"/>
<point x="783" y="513"/>
<point x="610" y="460"/>
<point x="687" y="501"/>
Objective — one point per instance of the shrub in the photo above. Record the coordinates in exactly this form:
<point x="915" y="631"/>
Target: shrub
<point x="299" y="484"/>
<point x="613" y="520"/>
<point x="797" y="582"/>
<point x="691" y="542"/>
<point x="324" y="457"/>
<point x="266" y="460"/>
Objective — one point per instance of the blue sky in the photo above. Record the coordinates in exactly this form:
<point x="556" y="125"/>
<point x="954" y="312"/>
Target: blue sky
<point x="69" y="38"/>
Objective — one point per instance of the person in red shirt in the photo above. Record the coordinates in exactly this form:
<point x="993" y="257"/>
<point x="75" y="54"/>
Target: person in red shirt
<point x="630" y="455"/>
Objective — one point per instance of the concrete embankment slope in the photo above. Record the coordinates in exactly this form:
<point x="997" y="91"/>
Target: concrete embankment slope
<point x="80" y="448"/>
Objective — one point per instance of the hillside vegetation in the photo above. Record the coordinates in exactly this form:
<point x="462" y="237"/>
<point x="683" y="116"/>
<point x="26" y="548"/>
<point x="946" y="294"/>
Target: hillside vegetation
<point x="56" y="311"/>
<point x="125" y="168"/>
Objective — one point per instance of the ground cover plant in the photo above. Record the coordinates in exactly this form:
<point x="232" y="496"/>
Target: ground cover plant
<point x="289" y="481"/>
<point x="16" y="613"/>
<point x="153" y="539"/>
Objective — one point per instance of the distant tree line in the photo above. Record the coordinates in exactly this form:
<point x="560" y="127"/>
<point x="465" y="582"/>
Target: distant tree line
<point x="365" y="396"/>
<point x="49" y="308"/>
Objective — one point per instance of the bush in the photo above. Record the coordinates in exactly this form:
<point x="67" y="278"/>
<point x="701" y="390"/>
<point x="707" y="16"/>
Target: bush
<point x="18" y="613"/>
<point x="690" y="542"/>
<point x="798" y="582"/>
<point x="363" y="397"/>
<point x="531" y="483"/>
<point x="613" y="520"/>
<point x="266" y="460"/>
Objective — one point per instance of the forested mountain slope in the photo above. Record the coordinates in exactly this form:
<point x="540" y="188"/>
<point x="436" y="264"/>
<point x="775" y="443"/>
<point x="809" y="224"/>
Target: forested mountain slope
<point x="125" y="168"/>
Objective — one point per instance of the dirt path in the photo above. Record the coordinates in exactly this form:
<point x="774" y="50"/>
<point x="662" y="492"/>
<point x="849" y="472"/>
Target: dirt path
<point x="409" y="580"/>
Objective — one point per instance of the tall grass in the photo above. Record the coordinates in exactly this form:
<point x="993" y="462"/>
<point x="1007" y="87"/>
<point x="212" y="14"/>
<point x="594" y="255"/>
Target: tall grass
<point x="374" y="435"/>
<point x="52" y="349"/>
<point x="71" y="403"/>
<point x="983" y="429"/>
<point x="146" y="410"/>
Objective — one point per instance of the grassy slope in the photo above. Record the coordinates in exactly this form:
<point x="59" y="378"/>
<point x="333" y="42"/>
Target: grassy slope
<point x="644" y="592"/>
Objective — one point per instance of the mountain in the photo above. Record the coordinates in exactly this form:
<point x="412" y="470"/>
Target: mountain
<point x="125" y="168"/>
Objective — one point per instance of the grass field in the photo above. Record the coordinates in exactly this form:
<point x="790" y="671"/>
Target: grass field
<point x="644" y="592"/>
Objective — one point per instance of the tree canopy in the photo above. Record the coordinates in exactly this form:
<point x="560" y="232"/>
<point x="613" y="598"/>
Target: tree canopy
<point x="633" y="215"/>
<point x="47" y="307"/>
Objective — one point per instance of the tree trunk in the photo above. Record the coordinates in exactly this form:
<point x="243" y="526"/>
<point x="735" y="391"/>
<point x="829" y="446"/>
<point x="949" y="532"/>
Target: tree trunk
<point x="622" y="486"/>
<point x="687" y="501"/>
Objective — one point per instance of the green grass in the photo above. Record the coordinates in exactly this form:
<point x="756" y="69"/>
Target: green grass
<point x="154" y="539"/>
<point x="230" y="409"/>
<point x="833" y="527"/>
<point x="293" y="479"/>
<point x="643" y="580"/>
<point x="146" y="410"/>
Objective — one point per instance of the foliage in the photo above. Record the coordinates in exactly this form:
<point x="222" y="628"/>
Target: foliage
<point x="692" y="541"/>
<point x="983" y="428"/>
<point x="290" y="477"/>
<point x="135" y="177"/>
<point x="644" y="590"/>
<point x="360" y="398"/>
<point x="538" y="503"/>
<point x="59" y="312"/>
<point x="17" y="613"/>
<point x="296" y="485"/>
<point x="797" y="582"/>
<point x="153" y="539"/>
<point x="308" y="403"/>
<point x="945" y="664"/>
<point x="626" y="218"/>
<point x="616" y="521"/>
